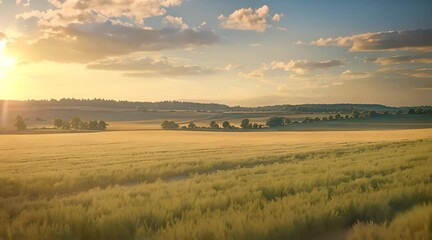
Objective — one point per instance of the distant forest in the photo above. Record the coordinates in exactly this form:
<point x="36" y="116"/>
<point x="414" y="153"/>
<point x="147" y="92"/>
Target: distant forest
<point x="179" y="105"/>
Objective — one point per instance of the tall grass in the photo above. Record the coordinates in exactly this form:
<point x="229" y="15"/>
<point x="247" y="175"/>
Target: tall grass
<point x="357" y="190"/>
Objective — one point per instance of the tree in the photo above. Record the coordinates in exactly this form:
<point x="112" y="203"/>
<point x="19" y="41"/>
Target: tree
<point x="58" y="123"/>
<point x="192" y="125"/>
<point x="66" y="125"/>
<point x="84" y="125"/>
<point x="347" y="116"/>
<point x="245" y="123"/>
<point x="255" y="126"/>
<point x="355" y="114"/>
<point x="330" y="118"/>
<point x="372" y="114"/>
<point x="287" y="121"/>
<point x="276" y="122"/>
<point x="213" y="124"/>
<point x="93" y="125"/>
<point x="20" y="124"/>
<point x="102" y="125"/>
<point x="226" y="125"/>
<point x="324" y="119"/>
<point x="419" y="111"/>
<point x="411" y="111"/>
<point x="386" y="113"/>
<point x="317" y="119"/>
<point x="399" y="112"/>
<point x="169" y="125"/>
<point x="76" y="123"/>
<point x="337" y="116"/>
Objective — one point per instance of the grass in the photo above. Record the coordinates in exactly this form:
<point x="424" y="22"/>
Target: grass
<point x="204" y="185"/>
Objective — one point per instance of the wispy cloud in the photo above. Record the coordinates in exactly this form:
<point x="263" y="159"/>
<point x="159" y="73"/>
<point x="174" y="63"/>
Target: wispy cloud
<point x="399" y="60"/>
<point x="416" y="40"/>
<point x="302" y="66"/>
<point x="146" y="67"/>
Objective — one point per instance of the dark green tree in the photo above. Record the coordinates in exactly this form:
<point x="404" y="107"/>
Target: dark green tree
<point x="93" y="125"/>
<point x="169" y="125"/>
<point x="20" y="124"/>
<point x="58" y="123"/>
<point x="355" y="114"/>
<point x="76" y="123"/>
<point x="245" y="123"/>
<point x="192" y="125"/>
<point x="226" y="125"/>
<point x="66" y="125"/>
<point x="276" y="122"/>
<point x="419" y="111"/>
<point x="84" y="125"/>
<point x="213" y="124"/>
<point x="102" y="125"/>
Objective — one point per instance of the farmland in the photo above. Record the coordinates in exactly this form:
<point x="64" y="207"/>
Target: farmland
<point x="217" y="185"/>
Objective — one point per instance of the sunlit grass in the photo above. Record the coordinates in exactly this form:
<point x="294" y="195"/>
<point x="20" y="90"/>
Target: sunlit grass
<point x="97" y="186"/>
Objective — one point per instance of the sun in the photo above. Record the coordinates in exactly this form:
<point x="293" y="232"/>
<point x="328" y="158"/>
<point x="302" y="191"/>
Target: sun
<point x="6" y="62"/>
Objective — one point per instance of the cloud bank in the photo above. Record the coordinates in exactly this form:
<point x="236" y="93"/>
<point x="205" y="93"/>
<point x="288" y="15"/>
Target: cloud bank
<point x="88" y="42"/>
<point x="415" y="40"/>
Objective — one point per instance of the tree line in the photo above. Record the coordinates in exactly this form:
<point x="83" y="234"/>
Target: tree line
<point x="181" y="105"/>
<point x="76" y="123"/>
<point x="283" y="121"/>
<point x="245" y="124"/>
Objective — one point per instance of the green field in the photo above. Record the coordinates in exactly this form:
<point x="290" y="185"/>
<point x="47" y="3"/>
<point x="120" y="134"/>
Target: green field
<point x="217" y="185"/>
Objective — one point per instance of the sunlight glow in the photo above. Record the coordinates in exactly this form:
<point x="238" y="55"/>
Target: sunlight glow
<point x="6" y="62"/>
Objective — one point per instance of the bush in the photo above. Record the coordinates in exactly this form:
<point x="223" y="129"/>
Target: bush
<point x="169" y="125"/>
<point x="276" y="122"/>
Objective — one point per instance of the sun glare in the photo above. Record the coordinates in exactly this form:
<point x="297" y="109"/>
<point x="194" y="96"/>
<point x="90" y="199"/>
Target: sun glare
<point x="6" y="62"/>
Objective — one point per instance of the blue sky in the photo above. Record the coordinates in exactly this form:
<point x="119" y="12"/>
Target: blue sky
<point x="236" y="52"/>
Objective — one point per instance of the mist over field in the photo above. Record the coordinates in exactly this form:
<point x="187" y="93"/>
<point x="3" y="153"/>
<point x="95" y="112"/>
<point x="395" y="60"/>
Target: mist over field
<point x="215" y="120"/>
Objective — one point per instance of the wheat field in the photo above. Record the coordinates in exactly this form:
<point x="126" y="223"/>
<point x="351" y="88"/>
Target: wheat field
<point x="217" y="185"/>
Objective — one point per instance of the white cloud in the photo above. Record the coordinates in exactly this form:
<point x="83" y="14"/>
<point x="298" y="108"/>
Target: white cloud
<point x="277" y="17"/>
<point x="246" y="19"/>
<point x="66" y="12"/>
<point x="175" y="21"/>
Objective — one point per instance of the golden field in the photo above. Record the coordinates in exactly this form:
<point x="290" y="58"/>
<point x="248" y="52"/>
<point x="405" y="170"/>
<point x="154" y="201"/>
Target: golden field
<point x="217" y="185"/>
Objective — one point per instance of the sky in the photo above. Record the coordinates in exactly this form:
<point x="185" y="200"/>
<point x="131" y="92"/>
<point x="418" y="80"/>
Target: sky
<point x="240" y="52"/>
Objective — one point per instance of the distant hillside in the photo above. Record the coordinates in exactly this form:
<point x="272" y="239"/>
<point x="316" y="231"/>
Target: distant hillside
<point x="178" y="105"/>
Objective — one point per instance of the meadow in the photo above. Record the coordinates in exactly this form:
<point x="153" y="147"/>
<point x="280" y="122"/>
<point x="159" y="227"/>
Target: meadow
<point x="217" y="185"/>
